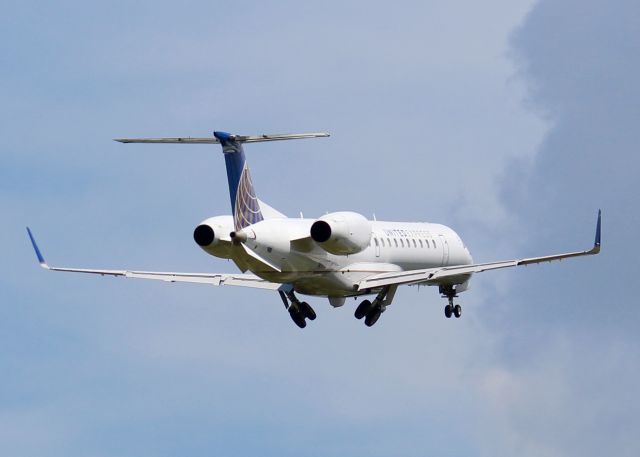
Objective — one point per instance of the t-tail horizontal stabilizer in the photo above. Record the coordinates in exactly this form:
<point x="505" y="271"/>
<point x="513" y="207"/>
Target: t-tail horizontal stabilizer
<point x="244" y="200"/>
<point x="236" y="138"/>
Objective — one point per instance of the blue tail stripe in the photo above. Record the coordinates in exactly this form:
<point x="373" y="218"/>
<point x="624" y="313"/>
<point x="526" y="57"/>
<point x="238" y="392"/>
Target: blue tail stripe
<point x="235" y="164"/>
<point x="244" y="202"/>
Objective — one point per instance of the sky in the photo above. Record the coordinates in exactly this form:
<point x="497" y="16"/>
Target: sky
<point x="511" y="121"/>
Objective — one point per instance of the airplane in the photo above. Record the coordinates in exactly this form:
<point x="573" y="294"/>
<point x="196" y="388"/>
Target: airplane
<point x="339" y="255"/>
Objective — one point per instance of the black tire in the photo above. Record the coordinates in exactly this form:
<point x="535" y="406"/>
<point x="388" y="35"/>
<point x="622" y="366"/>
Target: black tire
<point x="298" y="318"/>
<point x="307" y="311"/>
<point x="448" y="310"/>
<point x="363" y="309"/>
<point x="457" y="311"/>
<point x="373" y="316"/>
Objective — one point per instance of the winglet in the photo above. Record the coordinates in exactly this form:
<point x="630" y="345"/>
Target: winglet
<point x="596" y="244"/>
<point x="41" y="260"/>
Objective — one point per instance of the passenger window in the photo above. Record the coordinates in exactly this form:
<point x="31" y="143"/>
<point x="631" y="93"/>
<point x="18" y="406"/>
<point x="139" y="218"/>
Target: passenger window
<point x="434" y="244"/>
<point x="396" y="242"/>
<point x="421" y="245"/>
<point x="382" y="241"/>
<point x="376" y="241"/>
<point x="401" y="242"/>
<point x="414" y="244"/>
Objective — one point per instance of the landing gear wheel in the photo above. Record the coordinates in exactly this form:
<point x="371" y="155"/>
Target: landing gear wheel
<point x="297" y="317"/>
<point x="448" y="310"/>
<point x="457" y="311"/>
<point x="307" y="311"/>
<point x="373" y="316"/>
<point x="363" y="309"/>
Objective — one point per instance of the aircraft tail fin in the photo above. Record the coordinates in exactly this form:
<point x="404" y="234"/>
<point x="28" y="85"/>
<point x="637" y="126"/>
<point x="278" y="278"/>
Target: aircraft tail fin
<point x="244" y="201"/>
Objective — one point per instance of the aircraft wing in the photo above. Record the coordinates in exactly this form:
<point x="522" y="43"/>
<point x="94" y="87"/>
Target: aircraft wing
<point x="215" y="279"/>
<point x="440" y="274"/>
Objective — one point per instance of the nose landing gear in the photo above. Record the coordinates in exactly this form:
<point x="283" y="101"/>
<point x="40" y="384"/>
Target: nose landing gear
<point x="455" y="310"/>
<point x="450" y="293"/>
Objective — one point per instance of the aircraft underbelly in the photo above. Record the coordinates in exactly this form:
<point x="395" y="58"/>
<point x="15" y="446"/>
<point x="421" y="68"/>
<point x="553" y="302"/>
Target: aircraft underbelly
<point x="326" y="284"/>
<point x="316" y="283"/>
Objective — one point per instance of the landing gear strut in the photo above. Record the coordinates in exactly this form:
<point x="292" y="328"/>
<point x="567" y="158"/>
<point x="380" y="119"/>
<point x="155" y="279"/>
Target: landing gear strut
<point x="299" y="311"/>
<point x="372" y="311"/>
<point x="450" y="293"/>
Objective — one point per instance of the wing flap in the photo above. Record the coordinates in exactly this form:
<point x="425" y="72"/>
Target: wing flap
<point x="397" y="278"/>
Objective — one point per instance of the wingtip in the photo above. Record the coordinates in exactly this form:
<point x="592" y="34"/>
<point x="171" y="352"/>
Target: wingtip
<point x="39" y="255"/>
<point x="597" y="242"/>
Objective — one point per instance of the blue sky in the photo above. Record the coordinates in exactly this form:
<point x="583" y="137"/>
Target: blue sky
<point x="512" y="121"/>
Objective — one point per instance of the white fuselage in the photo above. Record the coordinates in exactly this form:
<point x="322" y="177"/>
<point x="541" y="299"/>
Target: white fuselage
<point x="394" y="246"/>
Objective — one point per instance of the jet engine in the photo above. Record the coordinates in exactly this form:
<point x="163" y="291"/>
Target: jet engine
<point x="212" y="235"/>
<point x="342" y="233"/>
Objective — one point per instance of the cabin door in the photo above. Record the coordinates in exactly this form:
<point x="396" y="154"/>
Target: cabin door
<point x="445" y="250"/>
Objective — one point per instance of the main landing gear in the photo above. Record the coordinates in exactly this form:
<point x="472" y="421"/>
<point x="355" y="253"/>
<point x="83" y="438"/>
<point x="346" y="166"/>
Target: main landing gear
<point x="372" y="311"/>
<point x="450" y="293"/>
<point x="299" y="311"/>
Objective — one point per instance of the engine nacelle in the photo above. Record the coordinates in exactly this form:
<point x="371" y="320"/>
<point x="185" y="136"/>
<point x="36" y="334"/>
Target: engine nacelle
<point x="342" y="233"/>
<point x="212" y="235"/>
